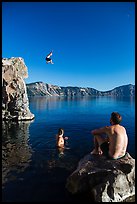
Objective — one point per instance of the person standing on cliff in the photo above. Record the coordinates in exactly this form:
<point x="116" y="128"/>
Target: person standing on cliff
<point x="114" y="143"/>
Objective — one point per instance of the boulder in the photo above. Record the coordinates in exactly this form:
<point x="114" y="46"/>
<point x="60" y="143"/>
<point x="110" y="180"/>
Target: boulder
<point x="15" y="104"/>
<point x="105" y="180"/>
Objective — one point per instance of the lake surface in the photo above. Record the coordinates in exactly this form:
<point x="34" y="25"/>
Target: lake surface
<point x="32" y="167"/>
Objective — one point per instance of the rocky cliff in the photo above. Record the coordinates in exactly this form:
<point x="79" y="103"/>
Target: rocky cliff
<point x="44" y="89"/>
<point x="104" y="180"/>
<point x="15" y="104"/>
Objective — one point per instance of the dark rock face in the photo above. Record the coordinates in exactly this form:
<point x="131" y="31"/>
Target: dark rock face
<point x="43" y="89"/>
<point x="15" y="104"/>
<point x="106" y="180"/>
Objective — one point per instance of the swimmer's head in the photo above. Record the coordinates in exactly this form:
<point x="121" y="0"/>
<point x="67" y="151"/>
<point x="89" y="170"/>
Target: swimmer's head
<point x="61" y="131"/>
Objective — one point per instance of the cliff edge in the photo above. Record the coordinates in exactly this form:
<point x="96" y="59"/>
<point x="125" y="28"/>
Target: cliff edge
<point x="15" y="104"/>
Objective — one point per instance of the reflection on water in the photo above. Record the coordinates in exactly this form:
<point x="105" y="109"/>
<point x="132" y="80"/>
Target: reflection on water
<point x="40" y="103"/>
<point x="16" y="151"/>
<point x="49" y="103"/>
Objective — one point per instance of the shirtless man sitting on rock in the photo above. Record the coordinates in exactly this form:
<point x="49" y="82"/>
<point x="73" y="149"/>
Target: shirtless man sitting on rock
<point x="114" y="144"/>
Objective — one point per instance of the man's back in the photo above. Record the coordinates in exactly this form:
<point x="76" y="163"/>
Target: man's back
<point x="117" y="141"/>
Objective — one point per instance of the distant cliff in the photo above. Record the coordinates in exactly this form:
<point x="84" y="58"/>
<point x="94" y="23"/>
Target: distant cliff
<point x="44" y="89"/>
<point x="15" y="104"/>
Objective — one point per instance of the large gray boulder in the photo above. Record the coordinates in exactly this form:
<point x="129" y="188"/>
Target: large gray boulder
<point x="15" y="104"/>
<point x="105" y="180"/>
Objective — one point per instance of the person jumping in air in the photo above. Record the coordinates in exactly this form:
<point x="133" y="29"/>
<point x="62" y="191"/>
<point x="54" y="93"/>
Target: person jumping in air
<point x="48" y="59"/>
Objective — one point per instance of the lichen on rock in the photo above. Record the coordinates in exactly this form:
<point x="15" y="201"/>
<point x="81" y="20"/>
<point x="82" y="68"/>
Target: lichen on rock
<point x="15" y="103"/>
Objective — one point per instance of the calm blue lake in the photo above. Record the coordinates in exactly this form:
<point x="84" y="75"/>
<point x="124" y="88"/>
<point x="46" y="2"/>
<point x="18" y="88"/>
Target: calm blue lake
<point x="32" y="167"/>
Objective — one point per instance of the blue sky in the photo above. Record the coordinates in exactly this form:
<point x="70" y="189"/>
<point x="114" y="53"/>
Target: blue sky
<point x="93" y="43"/>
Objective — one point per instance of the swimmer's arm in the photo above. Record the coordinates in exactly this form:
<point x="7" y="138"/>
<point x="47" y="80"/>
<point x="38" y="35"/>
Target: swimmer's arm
<point x="65" y="138"/>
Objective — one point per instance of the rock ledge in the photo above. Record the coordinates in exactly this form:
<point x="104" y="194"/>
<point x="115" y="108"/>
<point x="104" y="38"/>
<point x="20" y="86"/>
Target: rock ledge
<point x="106" y="180"/>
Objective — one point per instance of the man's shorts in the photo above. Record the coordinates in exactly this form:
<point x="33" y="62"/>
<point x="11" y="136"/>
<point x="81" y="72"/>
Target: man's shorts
<point x="105" y="148"/>
<point x="48" y="59"/>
